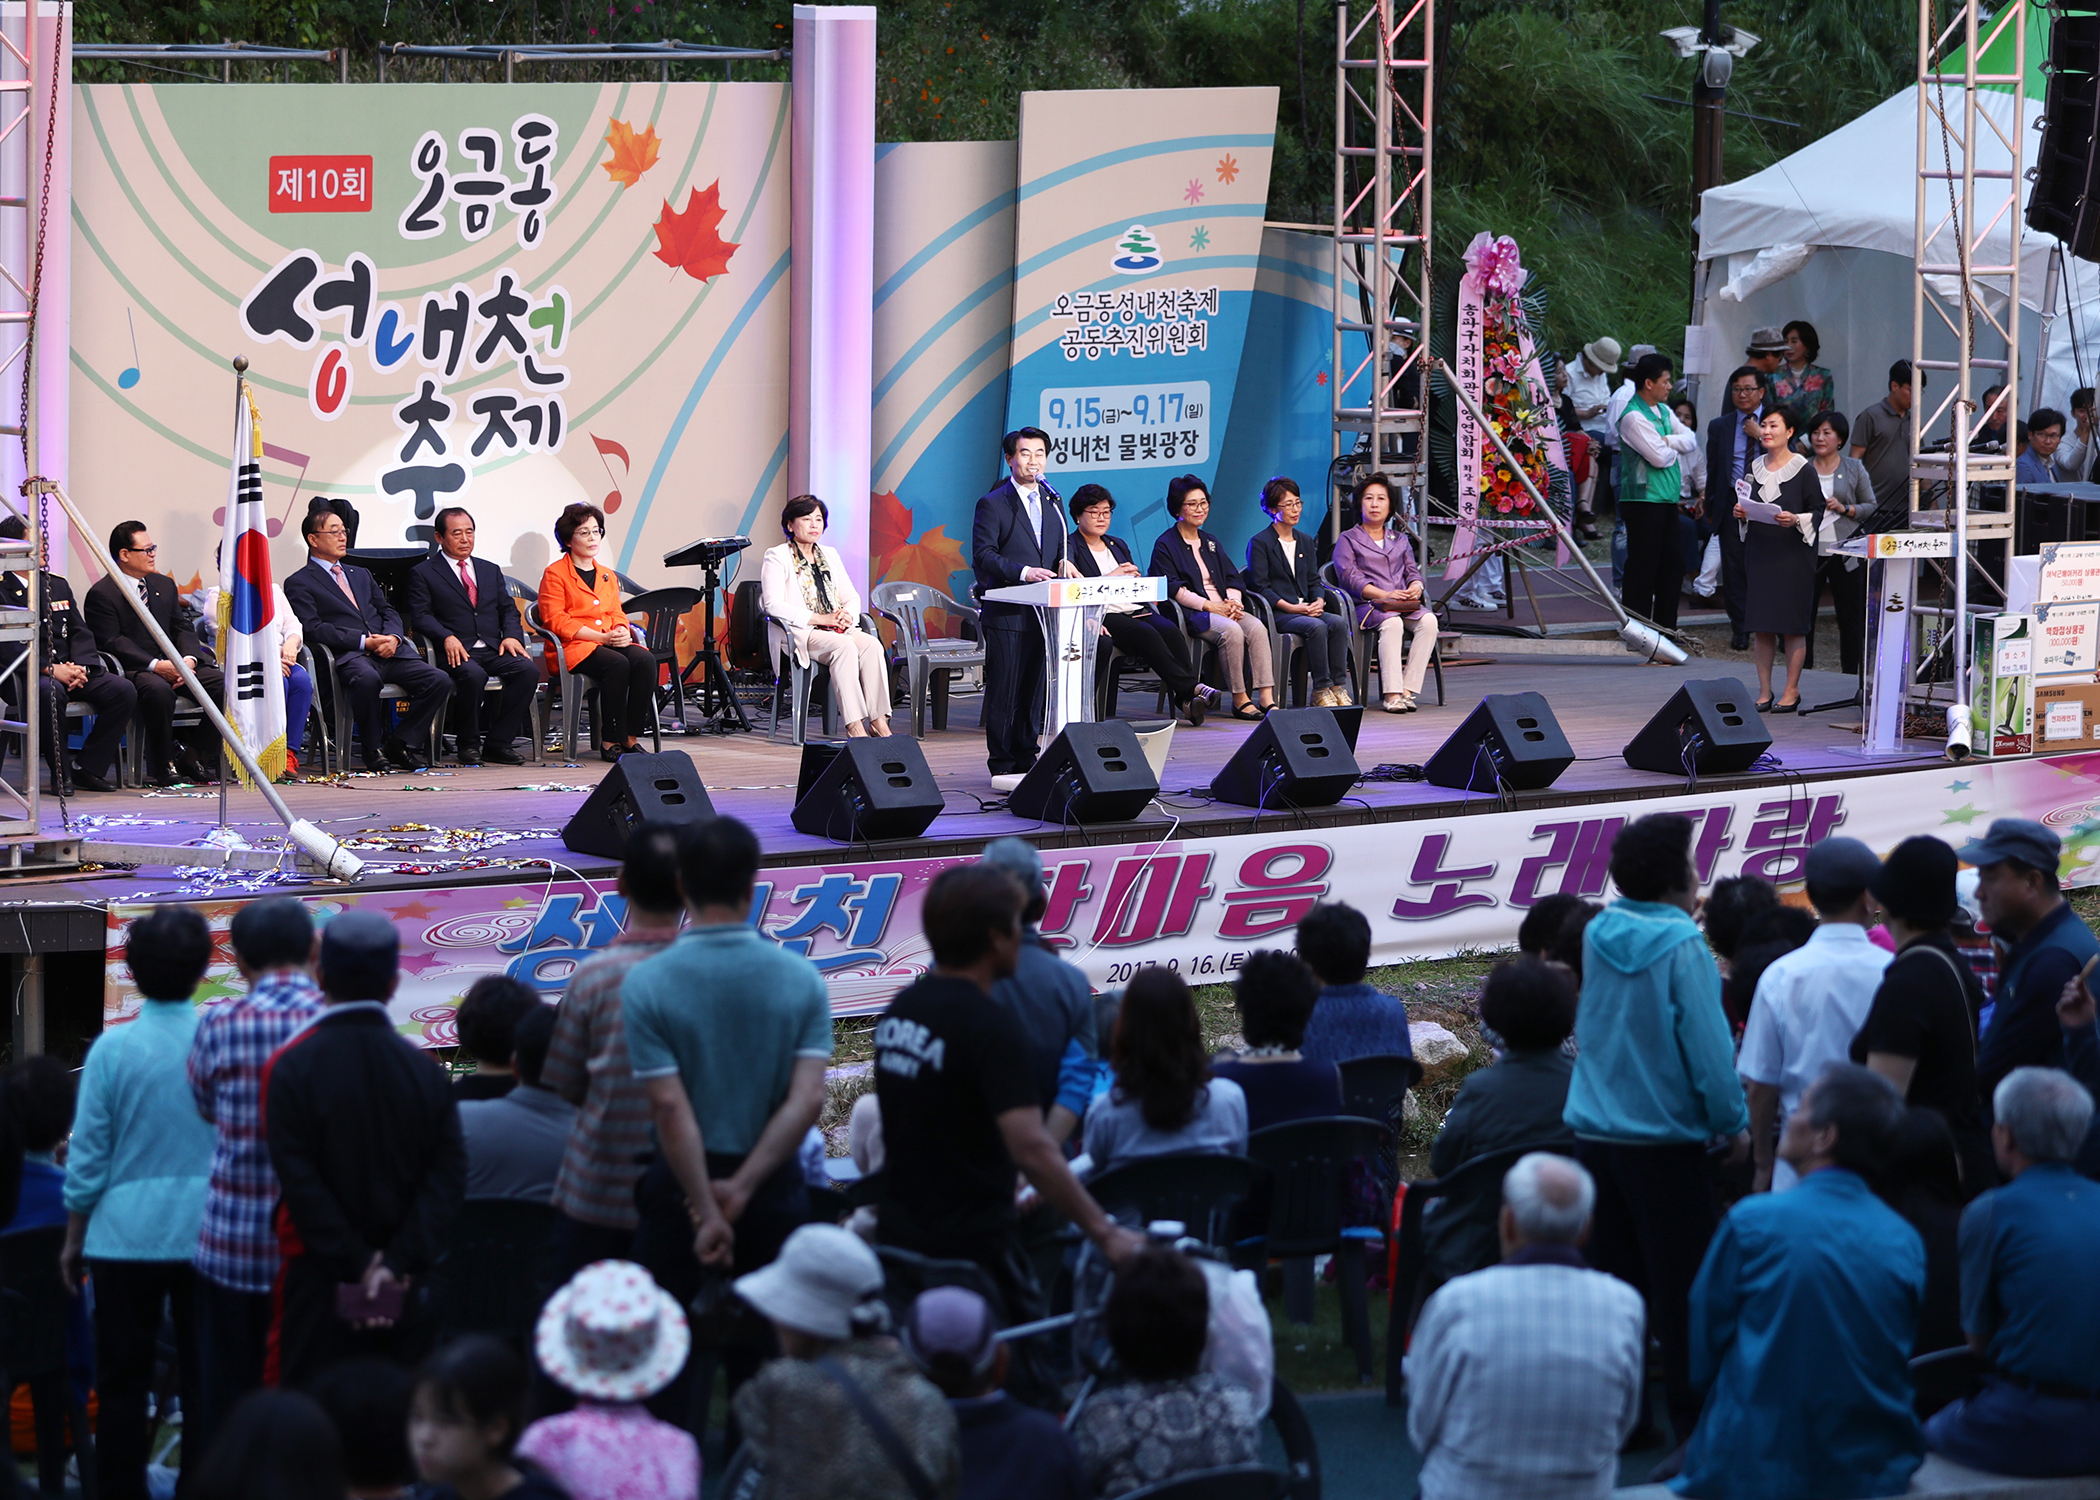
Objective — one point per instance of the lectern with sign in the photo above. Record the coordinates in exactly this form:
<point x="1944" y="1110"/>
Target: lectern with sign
<point x="1070" y="610"/>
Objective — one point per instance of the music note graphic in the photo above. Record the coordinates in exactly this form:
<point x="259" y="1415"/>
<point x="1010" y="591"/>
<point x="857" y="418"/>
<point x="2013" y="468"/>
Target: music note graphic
<point x="607" y="448"/>
<point x="130" y="377"/>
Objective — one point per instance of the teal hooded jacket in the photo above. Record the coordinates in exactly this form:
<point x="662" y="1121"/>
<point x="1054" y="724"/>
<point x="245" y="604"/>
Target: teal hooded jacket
<point x="1656" y="1065"/>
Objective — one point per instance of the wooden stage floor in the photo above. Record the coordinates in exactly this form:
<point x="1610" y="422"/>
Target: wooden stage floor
<point x="423" y="830"/>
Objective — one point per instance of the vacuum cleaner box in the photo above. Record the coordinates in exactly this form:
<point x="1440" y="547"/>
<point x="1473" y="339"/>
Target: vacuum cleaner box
<point x="2001" y="709"/>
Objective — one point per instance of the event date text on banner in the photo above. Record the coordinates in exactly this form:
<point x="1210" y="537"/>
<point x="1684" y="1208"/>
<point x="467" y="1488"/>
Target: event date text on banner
<point x="1127" y="426"/>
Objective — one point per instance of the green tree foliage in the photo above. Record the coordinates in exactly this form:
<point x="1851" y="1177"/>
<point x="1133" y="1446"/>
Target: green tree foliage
<point x="1551" y="124"/>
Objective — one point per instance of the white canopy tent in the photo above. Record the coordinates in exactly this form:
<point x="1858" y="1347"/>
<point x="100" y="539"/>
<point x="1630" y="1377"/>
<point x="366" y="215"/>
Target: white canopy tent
<point x="1829" y="233"/>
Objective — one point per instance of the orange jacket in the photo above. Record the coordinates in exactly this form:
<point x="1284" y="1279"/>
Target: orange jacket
<point x="567" y="606"/>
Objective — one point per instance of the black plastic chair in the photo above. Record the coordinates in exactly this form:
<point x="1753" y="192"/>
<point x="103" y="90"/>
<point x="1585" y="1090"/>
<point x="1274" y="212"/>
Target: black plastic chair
<point x="33" y="1346"/>
<point x="1311" y="1163"/>
<point x="492" y="1276"/>
<point x="906" y="1273"/>
<point x="1236" y="1482"/>
<point x="1376" y="1087"/>
<point x="1482" y="1176"/>
<point x="1199" y="1189"/>
<point x="664" y="608"/>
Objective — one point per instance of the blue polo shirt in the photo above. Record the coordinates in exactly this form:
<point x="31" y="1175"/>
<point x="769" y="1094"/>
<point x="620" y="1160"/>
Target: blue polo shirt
<point x="2027" y="1250"/>
<point x="2024" y="1031"/>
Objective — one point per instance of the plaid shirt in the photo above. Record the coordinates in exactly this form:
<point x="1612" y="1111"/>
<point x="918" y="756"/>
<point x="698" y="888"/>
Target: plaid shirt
<point x="237" y="1246"/>
<point x="1524" y="1378"/>
<point x="587" y="1065"/>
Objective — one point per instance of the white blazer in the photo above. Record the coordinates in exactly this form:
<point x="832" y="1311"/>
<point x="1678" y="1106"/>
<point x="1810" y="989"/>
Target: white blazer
<point x="782" y="592"/>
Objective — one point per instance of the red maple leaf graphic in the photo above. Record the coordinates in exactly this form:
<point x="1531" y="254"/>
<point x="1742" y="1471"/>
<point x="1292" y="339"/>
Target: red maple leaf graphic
<point x="688" y="240"/>
<point x="889" y="526"/>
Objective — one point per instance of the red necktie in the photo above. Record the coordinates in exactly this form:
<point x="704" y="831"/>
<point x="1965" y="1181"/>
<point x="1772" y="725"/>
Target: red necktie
<point x="466" y="576"/>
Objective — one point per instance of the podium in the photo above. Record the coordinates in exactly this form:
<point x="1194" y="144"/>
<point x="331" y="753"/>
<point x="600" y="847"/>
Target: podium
<point x="1892" y="597"/>
<point x="1070" y="609"/>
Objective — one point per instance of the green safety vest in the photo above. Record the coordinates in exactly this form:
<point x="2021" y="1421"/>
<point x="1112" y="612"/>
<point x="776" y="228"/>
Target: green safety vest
<point x="1641" y="480"/>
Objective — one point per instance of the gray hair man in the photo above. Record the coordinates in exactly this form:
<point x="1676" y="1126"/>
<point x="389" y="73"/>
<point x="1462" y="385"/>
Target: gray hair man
<point x="1525" y="1378"/>
<point x="1049" y="997"/>
<point x="2026" y="1304"/>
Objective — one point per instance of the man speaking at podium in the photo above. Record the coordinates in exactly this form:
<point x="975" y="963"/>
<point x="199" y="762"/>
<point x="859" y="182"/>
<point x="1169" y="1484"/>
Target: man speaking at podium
<point x="1018" y="536"/>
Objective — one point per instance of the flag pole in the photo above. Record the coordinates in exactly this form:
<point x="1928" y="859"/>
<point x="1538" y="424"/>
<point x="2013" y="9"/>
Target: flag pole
<point x="240" y="374"/>
<point x="316" y="844"/>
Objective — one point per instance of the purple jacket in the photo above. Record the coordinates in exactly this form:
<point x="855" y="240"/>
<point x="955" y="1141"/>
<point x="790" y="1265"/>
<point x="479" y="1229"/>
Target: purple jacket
<point x="1360" y="562"/>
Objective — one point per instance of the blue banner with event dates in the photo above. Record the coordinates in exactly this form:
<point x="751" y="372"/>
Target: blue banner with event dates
<point x="1138" y="226"/>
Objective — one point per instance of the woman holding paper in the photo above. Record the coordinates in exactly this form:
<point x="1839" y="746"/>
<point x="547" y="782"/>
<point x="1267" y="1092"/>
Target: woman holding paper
<point x="1780" y="498"/>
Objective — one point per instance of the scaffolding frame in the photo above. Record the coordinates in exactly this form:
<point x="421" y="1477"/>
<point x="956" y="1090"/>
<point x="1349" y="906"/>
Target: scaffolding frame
<point x="1384" y="122"/>
<point x="1961" y="206"/>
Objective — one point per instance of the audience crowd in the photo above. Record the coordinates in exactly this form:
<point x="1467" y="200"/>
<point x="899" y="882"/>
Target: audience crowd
<point x="1789" y="1153"/>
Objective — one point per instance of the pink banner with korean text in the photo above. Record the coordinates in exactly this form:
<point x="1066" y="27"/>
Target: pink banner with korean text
<point x="1431" y="887"/>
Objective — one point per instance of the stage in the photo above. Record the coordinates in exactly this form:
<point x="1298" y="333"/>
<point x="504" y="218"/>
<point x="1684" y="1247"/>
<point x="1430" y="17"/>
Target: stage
<point x="470" y="865"/>
<point x="1599" y="706"/>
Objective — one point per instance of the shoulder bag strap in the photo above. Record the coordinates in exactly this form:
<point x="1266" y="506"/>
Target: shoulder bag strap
<point x="915" y="1478"/>
<point x="1961" y="986"/>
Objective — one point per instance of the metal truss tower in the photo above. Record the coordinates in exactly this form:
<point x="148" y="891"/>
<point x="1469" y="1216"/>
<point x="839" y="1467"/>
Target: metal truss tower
<point x="1966" y="282"/>
<point x="1384" y="99"/>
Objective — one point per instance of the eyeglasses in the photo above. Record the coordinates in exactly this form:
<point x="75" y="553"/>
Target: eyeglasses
<point x="586" y="531"/>
<point x="336" y="530"/>
<point x="1746" y="390"/>
<point x="149" y="551"/>
<point x="1195" y="502"/>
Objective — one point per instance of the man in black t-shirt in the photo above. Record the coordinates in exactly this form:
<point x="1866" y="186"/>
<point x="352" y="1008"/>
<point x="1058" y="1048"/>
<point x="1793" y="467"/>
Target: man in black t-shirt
<point x="960" y="1110"/>
<point x="1920" y="1033"/>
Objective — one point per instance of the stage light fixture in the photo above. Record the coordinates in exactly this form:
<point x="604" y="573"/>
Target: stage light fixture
<point x="1958" y="732"/>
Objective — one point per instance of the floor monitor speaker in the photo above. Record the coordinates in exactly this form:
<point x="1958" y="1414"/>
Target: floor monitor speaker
<point x="1709" y="727"/>
<point x="874" y="788"/>
<point x="1296" y="757"/>
<point x="643" y="787"/>
<point x="1091" y="773"/>
<point x="1510" y="739"/>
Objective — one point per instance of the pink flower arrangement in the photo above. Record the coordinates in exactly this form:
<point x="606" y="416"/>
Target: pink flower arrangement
<point x="1494" y="265"/>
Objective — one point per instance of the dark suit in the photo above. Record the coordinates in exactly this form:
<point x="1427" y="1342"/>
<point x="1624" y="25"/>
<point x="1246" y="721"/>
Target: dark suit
<point x="1149" y="635"/>
<point x="438" y="607"/>
<point x="108" y="696"/>
<point x="1002" y="544"/>
<point x="1271" y="575"/>
<point x="1720" y="506"/>
<point x="118" y="628"/>
<point x="330" y="619"/>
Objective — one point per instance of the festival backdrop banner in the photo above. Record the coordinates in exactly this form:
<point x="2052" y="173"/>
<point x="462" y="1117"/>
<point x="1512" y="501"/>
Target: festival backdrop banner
<point x="505" y="296"/>
<point x="1430" y="888"/>
<point x="1137" y="233"/>
<point x="944" y="264"/>
<point x="1283" y="403"/>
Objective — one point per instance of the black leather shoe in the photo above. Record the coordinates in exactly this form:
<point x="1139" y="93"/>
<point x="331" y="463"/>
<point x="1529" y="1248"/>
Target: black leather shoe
<point x="162" y="776"/>
<point x="501" y="755"/>
<point x="376" y="765"/>
<point x="88" y="782"/>
<point x="469" y="755"/>
<point x="611" y="754"/>
<point x="187" y="768"/>
<point x="1739" y="642"/>
<point x="403" y="756"/>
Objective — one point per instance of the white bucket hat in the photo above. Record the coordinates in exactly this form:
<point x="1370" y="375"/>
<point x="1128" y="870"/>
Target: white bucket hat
<point x="823" y="1276"/>
<point x="612" y="1334"/>
<point x="1603" y="353"/>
